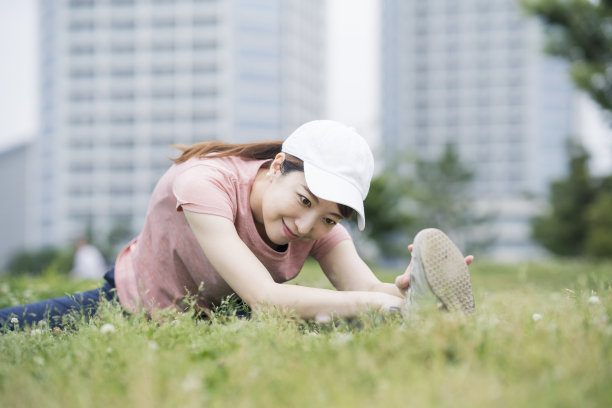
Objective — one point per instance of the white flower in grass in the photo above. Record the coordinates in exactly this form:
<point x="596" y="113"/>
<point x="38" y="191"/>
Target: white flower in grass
<point x="536" y="317"/>
<point x="191" y="382"/>
<point x="343" y="338"/>
<point x="35" y="332"/>
<point x="107" y="328"/>
<point x="152" y="345"/>
<point x="14" y="320"/>
<point x="39" y="360"/>
<point x="594" y="300"/>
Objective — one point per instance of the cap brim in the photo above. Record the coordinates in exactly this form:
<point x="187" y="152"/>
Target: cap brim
<point x="333" y="188"/>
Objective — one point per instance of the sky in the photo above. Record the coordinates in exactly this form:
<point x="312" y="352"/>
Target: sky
<point x="352" y="42"/>
<point x="18" y="71"/>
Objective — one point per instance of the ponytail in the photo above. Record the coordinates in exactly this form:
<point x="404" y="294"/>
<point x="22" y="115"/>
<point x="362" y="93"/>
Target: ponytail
<point x="253" y="151"/>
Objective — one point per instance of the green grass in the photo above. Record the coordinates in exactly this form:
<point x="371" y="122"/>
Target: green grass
<point x="499" y="357"/>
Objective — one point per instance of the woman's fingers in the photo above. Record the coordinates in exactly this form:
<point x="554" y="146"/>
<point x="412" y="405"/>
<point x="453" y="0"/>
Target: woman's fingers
<point x="402" y="281"/>
<point x="469" y="259"/>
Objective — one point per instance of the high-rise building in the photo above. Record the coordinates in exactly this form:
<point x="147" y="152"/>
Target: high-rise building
<point x="473" y="73"/>
<point x="122" y="80"/>
<point x="15" y="205"/>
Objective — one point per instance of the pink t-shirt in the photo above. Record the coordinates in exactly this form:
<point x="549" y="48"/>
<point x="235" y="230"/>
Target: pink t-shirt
<point x="165" y="262"/>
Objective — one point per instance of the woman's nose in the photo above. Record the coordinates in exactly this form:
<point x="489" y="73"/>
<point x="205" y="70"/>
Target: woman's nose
<point x="305" y="224"/>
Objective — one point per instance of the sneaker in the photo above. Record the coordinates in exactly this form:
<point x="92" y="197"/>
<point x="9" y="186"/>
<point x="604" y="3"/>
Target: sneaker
<point x="439" y="273"/>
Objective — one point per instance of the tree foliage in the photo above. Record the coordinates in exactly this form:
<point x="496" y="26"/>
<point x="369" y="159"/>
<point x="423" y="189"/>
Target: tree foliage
<point x="580" y="31"/>
<point x="599" y="224"/>
<point x="40" y="261"/>
<point x="579" y="218"/>
<point x="60" y="259"/>
<point x="412" y="193"/>
<point x="561" y="229"/>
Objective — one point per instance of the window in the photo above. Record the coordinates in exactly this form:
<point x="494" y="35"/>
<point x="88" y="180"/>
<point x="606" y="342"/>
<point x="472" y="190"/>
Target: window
<point x="81" y="49"/>
<point x="163" y="46"/>
<point x="163" y="70"/>
<point x="76" y="4"/>
<point x="163" y="93"/>
<point x="164" y="23"/>
<point x="203" y="116"/>
<point x="122" y="94"/>
<point x="122" y="48"/>
<point x="205" y="20"/>
<point x="82" y="73"/>
<point x="204" y="91"/>
<point x="122" y="72"/>
<point x="81" y="25"/>
<point x="124" y="25"/>
<point x="122" y="119"/>
<point x="203" y="45"/>
<point x="201" y="68"/>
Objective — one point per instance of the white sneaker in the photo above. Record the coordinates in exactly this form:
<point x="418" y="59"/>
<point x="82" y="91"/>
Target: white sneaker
<point x="439" y="273"/>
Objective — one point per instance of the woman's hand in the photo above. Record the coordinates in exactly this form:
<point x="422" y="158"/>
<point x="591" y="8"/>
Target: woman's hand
<point x="403" y="281"/>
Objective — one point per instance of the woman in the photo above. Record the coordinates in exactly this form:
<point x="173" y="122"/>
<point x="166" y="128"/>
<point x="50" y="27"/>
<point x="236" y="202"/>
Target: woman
<point x="243" y="219"/>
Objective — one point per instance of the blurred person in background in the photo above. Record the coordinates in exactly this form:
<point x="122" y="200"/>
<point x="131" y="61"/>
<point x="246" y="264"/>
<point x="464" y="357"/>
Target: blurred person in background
<point x="88" y="261"/>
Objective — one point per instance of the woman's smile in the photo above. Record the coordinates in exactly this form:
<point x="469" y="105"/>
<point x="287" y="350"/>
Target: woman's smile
<point x="288" y="232"/>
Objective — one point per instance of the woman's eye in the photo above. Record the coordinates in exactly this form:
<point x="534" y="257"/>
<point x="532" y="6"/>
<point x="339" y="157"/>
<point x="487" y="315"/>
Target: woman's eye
<point x="329" y="221"/>
<point x="305" y="201"/>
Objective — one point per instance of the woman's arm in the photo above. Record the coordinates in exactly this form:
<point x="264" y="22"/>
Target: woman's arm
<point x="347" y="271"/>
<point x="247" y="276"/>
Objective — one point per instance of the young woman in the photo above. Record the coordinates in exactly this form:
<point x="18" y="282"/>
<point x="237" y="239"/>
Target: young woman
<point x="243" y="218"/>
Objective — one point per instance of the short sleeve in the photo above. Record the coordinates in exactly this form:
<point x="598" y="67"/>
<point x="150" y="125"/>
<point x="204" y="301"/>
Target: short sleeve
<point x="325" y="244"/>
<point x="206" y="189"/>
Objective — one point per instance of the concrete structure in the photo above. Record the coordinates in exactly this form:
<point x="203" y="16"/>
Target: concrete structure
<point x="473" y="73"/>
<point x="122" y="80"/>
<point x="14" y="206"/>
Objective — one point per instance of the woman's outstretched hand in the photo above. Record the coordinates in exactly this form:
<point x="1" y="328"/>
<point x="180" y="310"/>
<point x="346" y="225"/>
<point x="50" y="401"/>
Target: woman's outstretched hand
<point x="403" y="280"/>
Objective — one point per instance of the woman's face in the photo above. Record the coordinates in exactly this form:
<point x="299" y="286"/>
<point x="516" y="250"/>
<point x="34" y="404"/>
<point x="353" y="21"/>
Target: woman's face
<point x="291" y="212"/>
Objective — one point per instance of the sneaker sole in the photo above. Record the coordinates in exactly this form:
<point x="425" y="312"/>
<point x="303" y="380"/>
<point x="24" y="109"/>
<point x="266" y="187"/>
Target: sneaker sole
<point x="445" y="270"/>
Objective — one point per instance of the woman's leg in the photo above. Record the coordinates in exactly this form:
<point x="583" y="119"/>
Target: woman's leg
<point x="53" y="310"/>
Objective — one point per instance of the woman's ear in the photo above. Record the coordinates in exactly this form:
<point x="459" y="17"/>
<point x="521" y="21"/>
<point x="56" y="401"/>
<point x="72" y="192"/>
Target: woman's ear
<point x="276" y="164"/>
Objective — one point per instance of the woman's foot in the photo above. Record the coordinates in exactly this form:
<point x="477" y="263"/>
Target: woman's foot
<point x="439" y="273"/>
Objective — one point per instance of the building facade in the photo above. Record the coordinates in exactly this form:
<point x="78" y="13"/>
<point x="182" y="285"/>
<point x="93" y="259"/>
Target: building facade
<point x="473" y="73"/>
<point x="123" y="80"/>
<point x="15" y="206"/>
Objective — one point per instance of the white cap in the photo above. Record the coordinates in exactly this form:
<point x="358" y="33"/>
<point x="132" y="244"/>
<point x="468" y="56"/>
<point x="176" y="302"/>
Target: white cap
<point x="338" y="163"/>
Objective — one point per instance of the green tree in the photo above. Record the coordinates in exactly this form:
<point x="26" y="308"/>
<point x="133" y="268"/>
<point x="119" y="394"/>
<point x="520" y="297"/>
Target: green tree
<point x="599" y="223"/>
<point x="562" y="229"/>
<point x="387" y="219"/>
<point x="580" y="31"/>
<point x="38" y="262"/>
<point x="413" y="193"/>
<point x="441" y="191"/>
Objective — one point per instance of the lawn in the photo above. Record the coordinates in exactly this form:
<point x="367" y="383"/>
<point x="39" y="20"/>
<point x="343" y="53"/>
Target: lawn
<point x="541" y="336"/>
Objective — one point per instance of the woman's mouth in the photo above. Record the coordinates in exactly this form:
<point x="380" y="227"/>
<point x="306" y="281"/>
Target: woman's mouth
<point x="288" y="232"/>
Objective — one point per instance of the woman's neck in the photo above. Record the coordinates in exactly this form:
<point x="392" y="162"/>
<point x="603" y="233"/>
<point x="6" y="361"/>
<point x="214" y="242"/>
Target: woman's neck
<point x="256" y="199"/>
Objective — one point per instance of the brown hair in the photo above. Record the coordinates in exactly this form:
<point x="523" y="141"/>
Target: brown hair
<point x="252" y="151"/>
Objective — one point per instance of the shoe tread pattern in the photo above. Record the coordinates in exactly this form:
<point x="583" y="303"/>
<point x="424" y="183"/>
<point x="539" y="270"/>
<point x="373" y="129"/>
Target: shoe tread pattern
<point x="446" y="271"/>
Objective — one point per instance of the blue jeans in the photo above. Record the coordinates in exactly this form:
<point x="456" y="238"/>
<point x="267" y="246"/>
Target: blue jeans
<point x="53" y="310"/>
